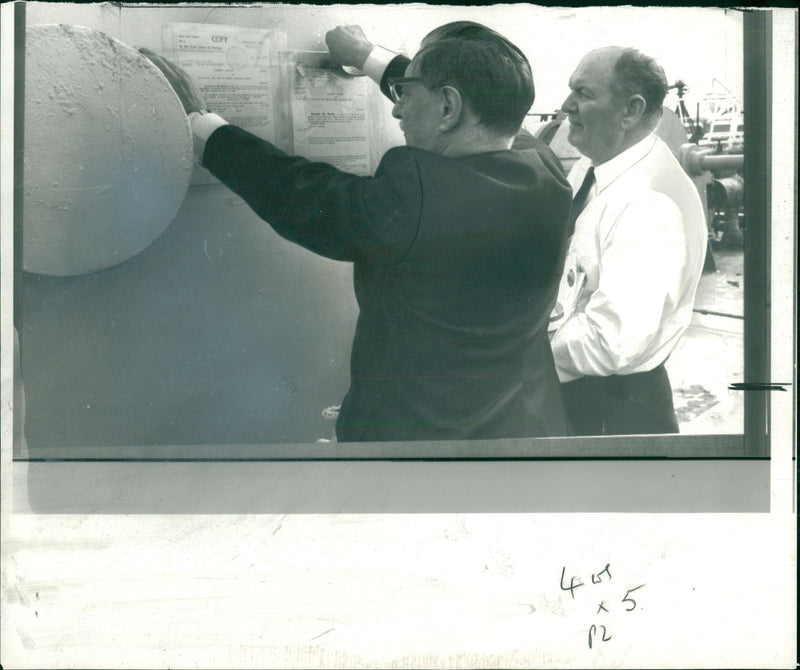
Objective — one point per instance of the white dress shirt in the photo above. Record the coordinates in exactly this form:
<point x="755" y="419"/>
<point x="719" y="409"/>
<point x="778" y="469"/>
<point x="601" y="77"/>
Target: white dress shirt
<point x="633" y="265"/>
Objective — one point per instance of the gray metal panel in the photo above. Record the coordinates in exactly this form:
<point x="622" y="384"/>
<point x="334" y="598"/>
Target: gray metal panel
<point x="221" y="332"/>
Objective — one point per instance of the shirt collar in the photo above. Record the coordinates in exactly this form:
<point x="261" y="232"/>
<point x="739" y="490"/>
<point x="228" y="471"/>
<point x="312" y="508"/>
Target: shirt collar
<point x="607" y="172"/>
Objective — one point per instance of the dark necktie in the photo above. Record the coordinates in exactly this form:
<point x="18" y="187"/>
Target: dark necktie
<point x="579" y="201"/>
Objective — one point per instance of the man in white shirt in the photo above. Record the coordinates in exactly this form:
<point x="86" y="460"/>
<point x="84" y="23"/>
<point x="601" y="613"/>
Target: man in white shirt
<point x="636" y="256"/>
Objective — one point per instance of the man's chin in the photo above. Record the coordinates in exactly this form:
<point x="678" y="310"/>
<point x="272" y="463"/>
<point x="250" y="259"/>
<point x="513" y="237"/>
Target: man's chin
<point x="574" y="136"/>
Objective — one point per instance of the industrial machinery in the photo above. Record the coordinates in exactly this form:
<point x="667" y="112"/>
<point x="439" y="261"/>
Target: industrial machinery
<point x="714" y="158"/>
<point x="693" y="127"/>
<point x="718" y="177"/>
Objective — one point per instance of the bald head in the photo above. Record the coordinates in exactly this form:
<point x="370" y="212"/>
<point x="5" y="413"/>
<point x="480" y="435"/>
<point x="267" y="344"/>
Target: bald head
<point x="604" y="57"/>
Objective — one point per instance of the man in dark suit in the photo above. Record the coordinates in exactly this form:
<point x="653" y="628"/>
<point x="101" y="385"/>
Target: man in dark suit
<point x="457" y="245"/>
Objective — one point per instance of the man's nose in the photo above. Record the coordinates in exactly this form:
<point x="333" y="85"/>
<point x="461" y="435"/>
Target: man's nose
<point x="396" y="110"/>
<point x="568" y="106"/>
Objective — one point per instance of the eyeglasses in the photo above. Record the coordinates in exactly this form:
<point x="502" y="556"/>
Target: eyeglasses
<point x="396" y="85"/>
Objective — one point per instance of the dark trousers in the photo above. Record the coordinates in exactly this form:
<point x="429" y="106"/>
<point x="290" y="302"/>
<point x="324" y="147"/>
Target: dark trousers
<point x="638" y="404"/>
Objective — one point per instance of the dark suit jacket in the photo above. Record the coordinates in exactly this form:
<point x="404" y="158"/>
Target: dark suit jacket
<point x="456" y="268"/>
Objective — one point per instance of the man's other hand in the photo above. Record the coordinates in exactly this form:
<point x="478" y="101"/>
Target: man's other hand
<point x="180" y="81"/>
<point x="348" y="45"/>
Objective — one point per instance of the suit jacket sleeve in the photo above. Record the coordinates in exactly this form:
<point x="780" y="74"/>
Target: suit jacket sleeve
<point x="396" y="68"/>
<point x="333" y="213"/>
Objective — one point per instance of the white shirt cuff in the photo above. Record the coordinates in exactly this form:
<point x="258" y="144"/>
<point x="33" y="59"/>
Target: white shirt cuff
<point x="205" y="123"/>
<point x="377" y="62"/>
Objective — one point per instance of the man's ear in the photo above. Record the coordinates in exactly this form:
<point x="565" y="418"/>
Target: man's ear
<point x="634" y="111"/>
<point x="452" y="107"/>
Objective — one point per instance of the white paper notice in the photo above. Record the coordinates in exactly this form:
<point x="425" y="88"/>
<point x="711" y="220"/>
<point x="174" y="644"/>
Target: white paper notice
<point x="234" y="68"/>
<point x="329" y="113"/>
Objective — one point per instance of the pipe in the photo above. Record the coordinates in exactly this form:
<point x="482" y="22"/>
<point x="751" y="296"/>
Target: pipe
<point x="722" y="162"/>
<point x="696" y="160"/>
<point x="727" y="191"/>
